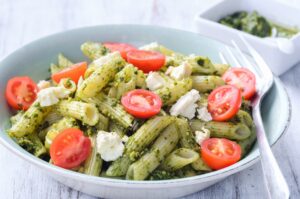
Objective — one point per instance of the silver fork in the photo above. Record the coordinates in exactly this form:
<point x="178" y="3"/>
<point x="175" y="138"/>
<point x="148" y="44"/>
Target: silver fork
<point x="277" y="187"/>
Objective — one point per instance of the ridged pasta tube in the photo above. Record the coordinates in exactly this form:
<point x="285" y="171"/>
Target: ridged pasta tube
<point x="199" y="165"/>
<point x="171" y="92"/>
<point x="111" y="108"/>
<point x="124" y="81"/>
<point x="246" y="144"/>
<point x="85" y="112"/>
<point x="187" y="140"/>
<point x="144" y="136"/>
<point x="103" y="123"/>
<point x="57" y="128"/>
<point x="63" y="61"/>
<point x="68" y="84"/>
<point x="30" y="120"/>
<point x="52" y="117"/>
<point x="93" y="164"/>
<point x="94" y="50"/>
<point x="94" y="83"/>
<point x="32" y="144"/>
<point x="179" y="158"/>
<point x="201" y="65"/>
<point x="228" y="130"/>
<point x="221" y="68"/>
<point x="207" y="83"/>
<point x="164" y="144"/>
<point x="14" y="119"/>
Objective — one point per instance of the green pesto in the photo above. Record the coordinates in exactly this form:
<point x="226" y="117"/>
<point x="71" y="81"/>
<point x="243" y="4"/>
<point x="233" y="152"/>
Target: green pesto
<point x="171" y="92"/>
<point x="32" y="144"/>
<point x="255" y="24"/>
<point x="94" y="50"/>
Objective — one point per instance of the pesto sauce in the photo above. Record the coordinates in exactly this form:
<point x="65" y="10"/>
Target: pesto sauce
<point x="255" y="24"/>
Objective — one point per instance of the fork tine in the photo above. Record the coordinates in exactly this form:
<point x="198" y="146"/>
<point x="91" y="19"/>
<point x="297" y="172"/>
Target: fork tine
<point x="236" y="62"/>
<point x="258" y="59"/>
<point x="247" y="64"/>
<point x="222" y="58"/>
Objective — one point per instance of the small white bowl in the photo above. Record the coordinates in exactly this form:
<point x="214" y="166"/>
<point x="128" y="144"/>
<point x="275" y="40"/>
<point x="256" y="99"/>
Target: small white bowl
<point x="278" y="61"/>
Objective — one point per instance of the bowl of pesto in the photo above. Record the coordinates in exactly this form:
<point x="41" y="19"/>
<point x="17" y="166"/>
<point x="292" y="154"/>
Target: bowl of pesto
<point x="122" y="111"/>
<point x="271" y="27"/>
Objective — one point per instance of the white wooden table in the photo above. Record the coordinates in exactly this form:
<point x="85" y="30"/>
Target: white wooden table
<point x="22" y="21"/>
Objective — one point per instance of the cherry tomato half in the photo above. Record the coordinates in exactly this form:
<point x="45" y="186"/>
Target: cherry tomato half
<point x="70" y="148"/>
<point x="224" y="102"/>
<point x="73" y="72"/>
<point x="243" y="79"/>
<point x="21" y="92"/>
<point x="141" y="103"/>
<point x="219" y="153"/>
<point x="123" y="48"/>
<point x="146" y="60"/>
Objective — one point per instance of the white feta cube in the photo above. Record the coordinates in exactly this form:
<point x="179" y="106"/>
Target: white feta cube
<point x="154" y="81"/>
<point x="180" y="72"/>
<point x="50" y="96"/>
<point x="202" y="135"/>
<point x="186" y="105"/>
<point x="43" y="84"/>
<point x="102" y="60"/>
<point x="109" y="145"/>
<point x="203" y="114"/>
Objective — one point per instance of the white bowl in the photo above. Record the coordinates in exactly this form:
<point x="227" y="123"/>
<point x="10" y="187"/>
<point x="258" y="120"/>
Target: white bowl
<point x="34" y="58"/>
<point x="279" y="61"/>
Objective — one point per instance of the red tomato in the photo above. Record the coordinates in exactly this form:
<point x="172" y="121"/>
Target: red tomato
<point x="146" y="60"/>
<point x="224" y="102"/>
<point x="123" y="48"/>
<point x="242" y="78"/>
<point x="70" y="148"/>
<point x="219" y="153"/>
<point x="141" y="103"/>
<point x="21" y="92"/>
<point x="73" y="72"/>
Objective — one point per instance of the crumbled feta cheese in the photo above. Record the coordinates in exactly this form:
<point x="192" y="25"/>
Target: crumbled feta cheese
<point x="151" y="46"/>
<point x="203" y="114"/>
<point x="180" y="72"/>
<point x="80" y="81"/>
<point x="43" y="84"/>
<point x="109" y="145"/>
<point x="186" y="106"/>
<point x="154" y="81"/>
<point x="202" y="135"/>
<point x="51" y="95"/>
<point x="106" y="58"/>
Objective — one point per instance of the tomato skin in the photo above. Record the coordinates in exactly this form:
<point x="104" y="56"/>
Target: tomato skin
<point x="123" y="48"/>
<point x="146" y="61"/>
<point x="243" y="79"/>
<point x="73" y="72"/>
<point x="21" y="92"/>
<point x="219" y="153"/>
<point x="70" y="148"/>
<point x="141" y="103"/>
<point x="224" y="102"/>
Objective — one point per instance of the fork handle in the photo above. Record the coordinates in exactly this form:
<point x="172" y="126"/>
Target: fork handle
<point x="277" y="187"/>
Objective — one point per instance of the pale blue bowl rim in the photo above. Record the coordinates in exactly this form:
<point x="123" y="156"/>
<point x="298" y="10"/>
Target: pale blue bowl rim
<point x="118" y="182"/>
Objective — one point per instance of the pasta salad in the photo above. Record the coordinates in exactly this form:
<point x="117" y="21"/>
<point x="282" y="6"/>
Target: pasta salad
<point x="145" y="113"/>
